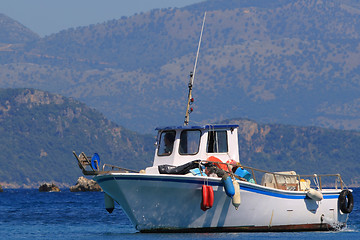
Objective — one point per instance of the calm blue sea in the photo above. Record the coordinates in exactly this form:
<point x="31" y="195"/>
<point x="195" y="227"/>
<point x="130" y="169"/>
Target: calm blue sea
<point x="29" y="214"/>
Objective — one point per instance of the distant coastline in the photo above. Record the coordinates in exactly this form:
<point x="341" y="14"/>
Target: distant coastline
<point x="35" y="185"/>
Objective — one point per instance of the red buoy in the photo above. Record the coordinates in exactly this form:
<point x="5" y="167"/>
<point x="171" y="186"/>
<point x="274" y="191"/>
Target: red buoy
<point x="210" y="196"/>
<point x="207" y="197"/>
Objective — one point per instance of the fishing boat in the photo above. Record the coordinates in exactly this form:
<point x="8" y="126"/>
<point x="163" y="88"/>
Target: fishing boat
<point x="198" y="184"/>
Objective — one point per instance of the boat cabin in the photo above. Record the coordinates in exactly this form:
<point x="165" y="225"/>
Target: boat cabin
<point x="179" y="145"/>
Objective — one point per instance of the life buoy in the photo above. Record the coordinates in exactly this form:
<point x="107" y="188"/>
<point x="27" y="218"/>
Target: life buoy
<point x="95" y="161"/>
<point x="346" y="201"/>
<point x="204" y="200"/>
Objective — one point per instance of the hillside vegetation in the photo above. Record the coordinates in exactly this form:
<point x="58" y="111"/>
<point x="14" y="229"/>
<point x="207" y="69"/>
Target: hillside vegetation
<point x="39" y="131"/>
<point x="294" y="62"/>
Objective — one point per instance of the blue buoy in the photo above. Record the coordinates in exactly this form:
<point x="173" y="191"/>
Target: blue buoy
<point x="228" y="185"/>
<point x="94" y="159"/>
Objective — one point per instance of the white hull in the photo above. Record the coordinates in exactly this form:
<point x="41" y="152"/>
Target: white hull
<point x="172" y="203"/>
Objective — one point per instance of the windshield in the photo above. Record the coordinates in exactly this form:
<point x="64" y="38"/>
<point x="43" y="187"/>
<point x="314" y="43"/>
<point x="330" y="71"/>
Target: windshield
<point x="166" y="145"/>
<point x="189" y="142"/>
<point x="217" y="142"/>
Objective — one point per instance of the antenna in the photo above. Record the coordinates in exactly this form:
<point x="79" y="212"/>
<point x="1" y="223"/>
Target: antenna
<point x="192" y="77"/>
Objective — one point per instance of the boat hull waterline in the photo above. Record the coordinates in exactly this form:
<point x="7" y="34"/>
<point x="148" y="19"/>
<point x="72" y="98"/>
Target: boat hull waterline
<point x="168" y="203"/>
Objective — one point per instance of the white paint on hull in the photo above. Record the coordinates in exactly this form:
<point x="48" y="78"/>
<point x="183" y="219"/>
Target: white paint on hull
<point x="173" y="202"/>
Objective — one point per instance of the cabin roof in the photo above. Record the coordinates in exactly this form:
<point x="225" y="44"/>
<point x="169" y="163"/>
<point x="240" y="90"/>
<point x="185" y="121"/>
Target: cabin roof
<point x="207" y="126"/>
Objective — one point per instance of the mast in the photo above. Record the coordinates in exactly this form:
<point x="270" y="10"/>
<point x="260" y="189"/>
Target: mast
<point x="192" y="77"/>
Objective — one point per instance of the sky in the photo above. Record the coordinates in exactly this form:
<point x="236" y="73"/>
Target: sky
<point x="45" y="17"/>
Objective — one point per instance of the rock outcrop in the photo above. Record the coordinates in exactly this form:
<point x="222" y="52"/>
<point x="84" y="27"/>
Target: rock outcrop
<point x="1" y="188"/>
<point x="85" y="185"/>
<point x="47" y="187"/>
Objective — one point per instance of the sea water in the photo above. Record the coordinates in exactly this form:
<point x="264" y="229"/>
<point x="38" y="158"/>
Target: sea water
<point x="30" y="214"/>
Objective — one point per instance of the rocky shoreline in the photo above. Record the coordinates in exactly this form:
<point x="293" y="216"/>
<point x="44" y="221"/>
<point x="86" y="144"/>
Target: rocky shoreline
<point x="82" y="185"/>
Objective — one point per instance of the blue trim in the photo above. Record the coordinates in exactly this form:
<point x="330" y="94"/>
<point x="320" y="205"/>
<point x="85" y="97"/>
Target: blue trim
<point x="207" y="126"/>
<point x="282" y="195"/>
<point x="219" y="184"/>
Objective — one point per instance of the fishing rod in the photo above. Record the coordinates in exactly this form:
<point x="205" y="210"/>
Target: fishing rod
<point x="192" y="77"/>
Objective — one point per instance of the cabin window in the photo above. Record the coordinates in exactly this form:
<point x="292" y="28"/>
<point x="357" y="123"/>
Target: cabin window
<point x="167" y="139"/>
<point x="189" y="142"/>
<point x="217" y="142"/>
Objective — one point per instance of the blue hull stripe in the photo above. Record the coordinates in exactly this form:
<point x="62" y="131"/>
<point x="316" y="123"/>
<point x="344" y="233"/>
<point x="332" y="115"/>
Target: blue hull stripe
<point x="211" y="183"/>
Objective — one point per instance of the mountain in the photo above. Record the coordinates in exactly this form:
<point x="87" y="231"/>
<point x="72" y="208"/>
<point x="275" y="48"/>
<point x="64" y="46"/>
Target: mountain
<point x="12" y="32"/>
<point x="291" y="62"/>
<point x="39" y="131"/>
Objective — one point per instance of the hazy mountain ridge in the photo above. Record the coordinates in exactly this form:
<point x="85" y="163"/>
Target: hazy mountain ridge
<point x="291" y="62"/>
<point x="12" y="32"/>
<point x="40" y="130"/>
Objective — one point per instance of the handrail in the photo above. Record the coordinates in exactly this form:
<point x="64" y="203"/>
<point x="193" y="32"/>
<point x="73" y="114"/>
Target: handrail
<point x="87" y="169"/>
<point x="119" y="168"/>
<point x="85" y="164"/>
<point x="298" y="177"/>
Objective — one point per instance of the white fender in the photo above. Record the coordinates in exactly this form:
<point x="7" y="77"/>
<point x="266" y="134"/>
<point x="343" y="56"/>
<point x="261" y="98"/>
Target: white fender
<point x="236" y="200"/>
<point x="314" y="194"/>
<point x="109" y="203"/>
